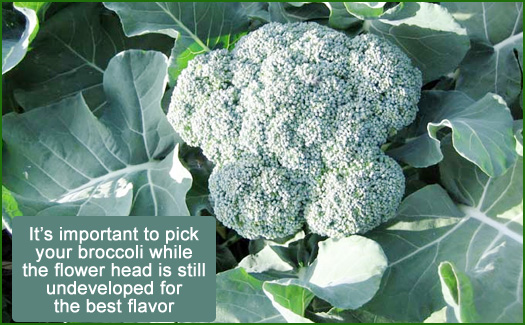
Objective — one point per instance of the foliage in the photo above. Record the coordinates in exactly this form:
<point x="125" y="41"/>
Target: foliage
<point x="85" y="132"/>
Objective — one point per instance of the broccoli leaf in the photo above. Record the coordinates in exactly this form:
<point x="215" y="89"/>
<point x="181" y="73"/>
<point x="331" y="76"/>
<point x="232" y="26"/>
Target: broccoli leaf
<point x="70" y="55"/>
<point x="365" y="10"/>
<point x="430" y="37"/>
<point x="494" y="64"/>
<point x="290" y="300"/>
<point x="482" y="236"/>
<point x="198" y="26"/>
<point x="240" y="298"/>
<point x="458" y="292"/>
<point x="482" y="131"/>
<point x="346" y="273"/>
<point x="339" y="17"/>
<point x="61" y="159"/>
<point x="18" y="26"/>
<point x="290" y="12"/>
<point x="9" y="209"/>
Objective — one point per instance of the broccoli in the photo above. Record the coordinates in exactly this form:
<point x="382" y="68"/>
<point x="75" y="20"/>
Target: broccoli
<point x="293" y="118"/>
<point x="257" y="199"/>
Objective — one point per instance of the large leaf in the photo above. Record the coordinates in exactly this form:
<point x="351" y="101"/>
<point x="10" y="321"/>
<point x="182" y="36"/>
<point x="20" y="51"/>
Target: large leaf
<point x="428" y="35"/>
<point x="365" y="10"/>
<point x="494" y="64"/>
<point x="339" y="17"/>
<point x="240" y="298"/>
<point x="40" y="8"/>
<point x="62" y="159"/>
<point x="17" y="27"/>
<point x="346" y="272"/>
<point x="289" y="12"/>
<point x="483" y="237"/>
<point x="198" y="26"/>
<point x="70" y="55"/>
<point x="482" y="131"/>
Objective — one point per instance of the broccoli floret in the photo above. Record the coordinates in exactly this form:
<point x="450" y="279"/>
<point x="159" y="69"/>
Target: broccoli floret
<point x="356" y="198"/>
<point x="301" y="98"/>
<point x="258" y="200"/>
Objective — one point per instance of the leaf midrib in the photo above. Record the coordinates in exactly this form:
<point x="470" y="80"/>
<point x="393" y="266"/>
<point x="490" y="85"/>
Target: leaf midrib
<point x="129" y="169"/>
<point x="184" y="28"/>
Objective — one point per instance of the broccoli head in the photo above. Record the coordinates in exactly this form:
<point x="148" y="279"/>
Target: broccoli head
<point x="308" y="106"/>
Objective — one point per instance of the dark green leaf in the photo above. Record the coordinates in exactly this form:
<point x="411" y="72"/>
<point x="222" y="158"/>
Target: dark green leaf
<point x="290" y="300"/>
<point x="240" y="298"/>
<point x="483" y="237"/>
<point x="494" y="64"/>
<point x="198" y="26"/>
<point x="61" y="159"/>
<point x="71" y="53"/>
<point x="18" y="25"/>
<point x="286" y="12"/>
<point x="431" y="37"/>
<point x="365" y="10"/>
<point x="481" y="131"/>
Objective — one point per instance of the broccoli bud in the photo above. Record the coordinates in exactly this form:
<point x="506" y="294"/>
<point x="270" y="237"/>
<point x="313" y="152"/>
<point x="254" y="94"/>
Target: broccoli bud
<point x="258" y="200"/>
<point x="356" y="198"/>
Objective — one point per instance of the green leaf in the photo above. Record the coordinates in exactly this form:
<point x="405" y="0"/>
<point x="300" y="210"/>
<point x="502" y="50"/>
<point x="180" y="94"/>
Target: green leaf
<point x="346" y="272"/>
<point x="257" y="10"/>
<point x="16" y="35"/>
<point x="439" y="316"/>
<point x="39" y="8"/>
<point x="71" y="53"/>
<point x="264" y="261"/>
<point x="458" y="292"/>
<point x="290" y="12"/>
<point x="9" y="209"/>
<point x="339" y="17"/>
<point x="481" y="131"/>
<point x="483" y="237"/>
<point x="198" y="26"/>
<point x="200" y="168"/>
<point x="365" y="10"/>
<point x="61" y="159"/>
<point x="240" y="299"/>
<point x="336" y="315"/>
<point x="290" y="300"/>
<point x="420" y="151"/>
<point x="428" y="35"/>
<point x="494" y="64"/>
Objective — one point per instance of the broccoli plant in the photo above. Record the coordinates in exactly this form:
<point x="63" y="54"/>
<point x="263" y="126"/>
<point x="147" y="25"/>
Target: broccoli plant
<point x="364" y="160"/>
<point x="294" y="118"/>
